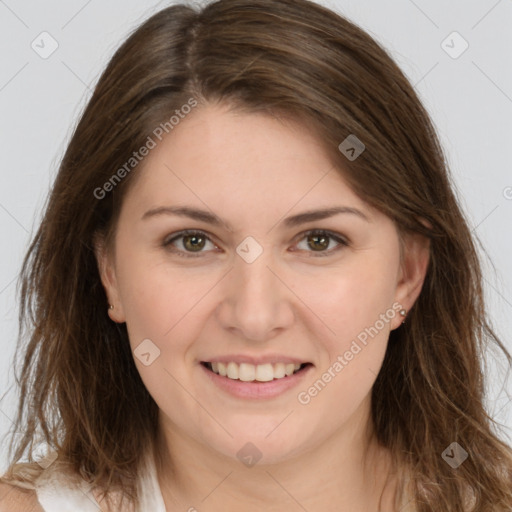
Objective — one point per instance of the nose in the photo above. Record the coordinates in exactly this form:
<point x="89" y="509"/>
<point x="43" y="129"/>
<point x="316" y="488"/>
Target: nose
<point x="256" y="302"/>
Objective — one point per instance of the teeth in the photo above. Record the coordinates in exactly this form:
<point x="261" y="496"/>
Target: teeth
<point x="279" y="370"/>
<point x="246" y="372"/>
<point x="232" y="370"/>
<point x="289" y="368"/>
<point x="222" y="369"/>
<point x="250" y="372"/>
<point x="264" y="372"/>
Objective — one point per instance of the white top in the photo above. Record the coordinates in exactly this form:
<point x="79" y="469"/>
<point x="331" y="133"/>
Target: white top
<point x="57" y="493"/>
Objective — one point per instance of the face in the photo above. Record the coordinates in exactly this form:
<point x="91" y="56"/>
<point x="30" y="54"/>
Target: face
<point x="255" y="286"/>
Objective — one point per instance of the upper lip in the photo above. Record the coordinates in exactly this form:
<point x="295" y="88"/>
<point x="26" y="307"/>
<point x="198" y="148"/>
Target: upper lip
<point x="256" y="360"/>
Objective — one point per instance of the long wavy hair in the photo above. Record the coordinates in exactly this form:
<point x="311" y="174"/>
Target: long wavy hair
<point x="80" y="391"/>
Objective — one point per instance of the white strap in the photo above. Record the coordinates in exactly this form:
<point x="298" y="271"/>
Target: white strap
<point x="56" y="495"/>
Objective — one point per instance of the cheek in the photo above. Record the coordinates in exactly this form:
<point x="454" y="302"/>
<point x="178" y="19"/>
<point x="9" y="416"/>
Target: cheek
<point x="154" y="293"/>
<point x="355" y="303"/>
<point x="157" y="302"/>
<point x="161" y="309"/>
<point x="353" y="296"/>
<point x="358" y="311"/>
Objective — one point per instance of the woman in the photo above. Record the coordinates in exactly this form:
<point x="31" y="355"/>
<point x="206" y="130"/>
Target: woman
<point x="253" y="287"/>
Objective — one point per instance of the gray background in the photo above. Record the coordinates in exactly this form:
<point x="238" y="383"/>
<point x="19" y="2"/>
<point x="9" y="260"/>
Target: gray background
<point x="468" y="97"/>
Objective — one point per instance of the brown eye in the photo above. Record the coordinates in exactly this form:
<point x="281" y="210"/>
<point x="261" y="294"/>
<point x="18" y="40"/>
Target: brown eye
<point x="193" y="242"/>
<point x="188" y="243"/>
<point x="319" y="241"/>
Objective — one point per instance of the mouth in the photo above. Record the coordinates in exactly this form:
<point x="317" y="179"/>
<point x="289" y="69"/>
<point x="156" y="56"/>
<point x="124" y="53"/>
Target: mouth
<point x="255" y="373"/>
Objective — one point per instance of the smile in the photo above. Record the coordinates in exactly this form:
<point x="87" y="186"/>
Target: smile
<point x="249" y="372"/>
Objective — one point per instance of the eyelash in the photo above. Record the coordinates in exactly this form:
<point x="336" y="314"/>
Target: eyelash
<point x="312" y="232"/>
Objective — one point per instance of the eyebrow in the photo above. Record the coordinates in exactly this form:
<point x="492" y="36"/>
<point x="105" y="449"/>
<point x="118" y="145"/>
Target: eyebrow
<point x="211" y="218"/>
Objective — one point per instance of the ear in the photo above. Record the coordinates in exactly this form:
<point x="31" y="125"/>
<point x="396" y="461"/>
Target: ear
<point x="106" y="269"/>
<point x="415" y="257"/>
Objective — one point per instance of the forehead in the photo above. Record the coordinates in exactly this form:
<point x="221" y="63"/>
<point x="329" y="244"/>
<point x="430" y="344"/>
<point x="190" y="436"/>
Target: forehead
<point x="216" y="135"/>
<point x="248" y="161"/>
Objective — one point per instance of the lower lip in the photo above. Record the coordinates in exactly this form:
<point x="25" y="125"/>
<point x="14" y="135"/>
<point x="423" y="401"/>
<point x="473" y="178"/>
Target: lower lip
<point x="257" y="390"/>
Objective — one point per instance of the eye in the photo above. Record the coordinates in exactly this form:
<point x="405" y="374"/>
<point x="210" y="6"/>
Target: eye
<point x="192" y="241"/>
<point x="319" y="240"/>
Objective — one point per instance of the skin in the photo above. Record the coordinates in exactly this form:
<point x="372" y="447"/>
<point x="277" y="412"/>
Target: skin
<point x="253" y="170"/>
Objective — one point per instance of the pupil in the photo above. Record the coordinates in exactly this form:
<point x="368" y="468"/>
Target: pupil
<point x="323" y="239"/>
<point x="194" y="239"/>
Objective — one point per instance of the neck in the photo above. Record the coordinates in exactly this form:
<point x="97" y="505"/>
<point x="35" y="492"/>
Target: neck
<point x="349" y="469"/>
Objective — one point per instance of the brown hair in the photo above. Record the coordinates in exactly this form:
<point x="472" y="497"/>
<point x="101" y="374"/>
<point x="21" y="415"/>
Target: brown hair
<point x="78" y="383"/>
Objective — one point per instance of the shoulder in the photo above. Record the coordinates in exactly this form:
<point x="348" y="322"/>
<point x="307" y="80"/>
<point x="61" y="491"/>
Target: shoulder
<point x="36" y="489"/>
<point x="17" y="499"/>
